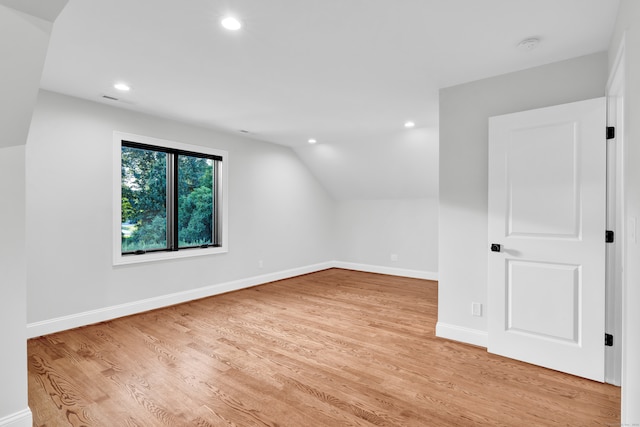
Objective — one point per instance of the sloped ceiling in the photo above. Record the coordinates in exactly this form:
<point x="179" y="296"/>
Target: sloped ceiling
<point x="346" y="73"/>
<point x="43" y="9"/>
<point x="22" y="63"/>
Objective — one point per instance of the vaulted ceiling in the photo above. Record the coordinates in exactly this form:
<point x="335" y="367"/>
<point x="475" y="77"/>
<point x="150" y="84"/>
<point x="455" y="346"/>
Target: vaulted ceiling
<point x="348" y="74"/>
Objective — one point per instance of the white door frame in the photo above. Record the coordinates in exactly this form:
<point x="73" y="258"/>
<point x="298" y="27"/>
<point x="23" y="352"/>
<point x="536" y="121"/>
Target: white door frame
<point x="615" y="279"/>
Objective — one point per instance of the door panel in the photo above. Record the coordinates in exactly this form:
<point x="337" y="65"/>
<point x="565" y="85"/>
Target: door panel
<point x="547" y="211"/>
<point x="554" y="289"/>
<point x="541" y="172"/>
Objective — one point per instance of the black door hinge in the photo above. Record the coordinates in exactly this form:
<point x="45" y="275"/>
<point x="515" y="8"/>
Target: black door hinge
<point x="608" y="340"/>
<point x="611" y="132"/>
<point x="609" y="236"/>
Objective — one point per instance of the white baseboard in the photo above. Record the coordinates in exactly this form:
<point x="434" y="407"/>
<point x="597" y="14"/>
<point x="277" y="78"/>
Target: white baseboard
<point x="462" y="334"/>
<point x="416" y="274"/>
<point x="19" y="419"/>
<point x="58" y="324"/>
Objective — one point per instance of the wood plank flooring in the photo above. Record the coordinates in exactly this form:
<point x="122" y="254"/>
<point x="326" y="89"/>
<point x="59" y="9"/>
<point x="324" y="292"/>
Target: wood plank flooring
<point x="333" y="348"/>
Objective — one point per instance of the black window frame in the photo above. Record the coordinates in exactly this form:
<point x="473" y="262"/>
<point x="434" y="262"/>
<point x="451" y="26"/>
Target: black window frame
<point x="172" y="197"/>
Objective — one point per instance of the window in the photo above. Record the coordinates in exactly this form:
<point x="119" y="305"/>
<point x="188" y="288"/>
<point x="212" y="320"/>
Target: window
<point x="170" y="199"/>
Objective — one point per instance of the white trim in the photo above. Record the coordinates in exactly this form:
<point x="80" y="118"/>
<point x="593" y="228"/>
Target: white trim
<point x="23" y="418"/>
<point x="118" y="258"/>
<point x="615" y="217"/>
<point x="58" y="324"/>
<point x="462" y="334"/>
<point x="629" y="392"/>
<point x="392" y="271"/>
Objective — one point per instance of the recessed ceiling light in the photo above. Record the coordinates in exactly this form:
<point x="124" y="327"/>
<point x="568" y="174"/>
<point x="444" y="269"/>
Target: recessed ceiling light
<point x="123" y="87"/>
<point x="231" y="23"/>
<point x="312" y="141"/>
<point x="409" y="124"/>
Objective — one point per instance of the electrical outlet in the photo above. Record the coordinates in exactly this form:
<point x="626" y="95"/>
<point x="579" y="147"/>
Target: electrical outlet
<point x="394" y="257"/>
<point x="476" y="309"/>
<point x="260" y="263"/>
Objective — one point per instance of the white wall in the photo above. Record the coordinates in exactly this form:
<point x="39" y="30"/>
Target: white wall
<point x="464" y="111"/>
<point x="23" y="44"/>
<point x="628" y="28"/>
<point x="13" y="308"/>
<point x="278" y="212"/>
<point x="369" y="231"/>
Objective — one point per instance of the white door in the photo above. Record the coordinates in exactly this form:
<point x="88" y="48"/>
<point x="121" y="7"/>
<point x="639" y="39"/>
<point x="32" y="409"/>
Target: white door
<point x="547" y="188"/>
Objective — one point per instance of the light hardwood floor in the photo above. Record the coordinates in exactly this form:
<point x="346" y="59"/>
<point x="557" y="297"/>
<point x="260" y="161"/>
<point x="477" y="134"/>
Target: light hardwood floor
<point x="333" y="348"/>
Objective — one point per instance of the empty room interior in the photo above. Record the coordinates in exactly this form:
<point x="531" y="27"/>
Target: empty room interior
<point x="327" y="213"/>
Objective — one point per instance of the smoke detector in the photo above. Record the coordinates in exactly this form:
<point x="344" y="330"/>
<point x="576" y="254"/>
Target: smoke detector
<point x="529" y="44"/>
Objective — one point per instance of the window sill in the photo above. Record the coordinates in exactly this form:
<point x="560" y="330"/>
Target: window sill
<point x="120" y="259"/>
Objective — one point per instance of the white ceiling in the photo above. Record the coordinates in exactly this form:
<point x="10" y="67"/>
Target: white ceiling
<point x="348" y="73"/>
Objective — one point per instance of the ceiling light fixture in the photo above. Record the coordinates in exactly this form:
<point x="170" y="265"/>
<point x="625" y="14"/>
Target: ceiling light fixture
<point x="529" y="44"/>
<point x="231" y="23"/>
<point x="409" y="124"/>
<point x="312" y="141"/>
<point x="122" y="87"/>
